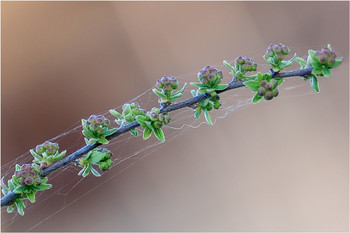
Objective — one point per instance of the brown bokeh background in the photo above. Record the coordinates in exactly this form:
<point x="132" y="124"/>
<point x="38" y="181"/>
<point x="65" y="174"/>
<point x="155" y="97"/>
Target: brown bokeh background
<point x="277" y="166"/>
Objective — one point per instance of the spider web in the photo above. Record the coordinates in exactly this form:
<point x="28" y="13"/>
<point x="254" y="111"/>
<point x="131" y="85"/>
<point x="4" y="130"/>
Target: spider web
<point x="68" y="187"/>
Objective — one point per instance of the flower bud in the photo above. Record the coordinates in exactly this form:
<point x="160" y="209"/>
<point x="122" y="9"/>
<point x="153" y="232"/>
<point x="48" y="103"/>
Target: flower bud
<point x="268" y="86"/>
<point x="261" y="91"/>
<point x="159" y="84"/>
<point x="164" y="80"/>
<point x="262" y="83"/>
<point x="217" y="105"/>
<point x="28" y="181"/>
<point x="92" y="119"/>
<point x="275" y="92"/>
<point x="273" y="83"/>
<point x="331" y="61"/>
<point x="268" y="95"/>
<point x="157" y="124"/>
<point x="167" y="88"/>
<point x="38" y="181"/>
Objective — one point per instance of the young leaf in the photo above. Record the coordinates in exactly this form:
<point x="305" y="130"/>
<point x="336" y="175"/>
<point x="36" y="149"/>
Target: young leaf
<point x="256" y="98"/>
<point x="252" y="85"/>
<point x="160" y="94"/>
<point x="207" y="117"/>
<point x="35" y="155"/>
<point x="20" y="207"/>
<point x="220" y="87"/>
<point x="141" y="120"/>
<point x="94" y="172"/>
<point x="60" y="156"/>
<point x="301" y="62"/>
<point x="20" y="189"/>
<point x="10" y="208"/>
<point x="133" y="132"/>
<point x="147" y="132"/>
<point x="31" y="196"/>
<point x="327" y="72"/>
<point x="158" y="132"/>
<point x="103" y="141"/>
<point x="44" y="187"/>
<point x="87" y="170"/>
<point x="115" y="113"/>
<point x="314" y="83"/>
<point x="228" y="65"/>
<point x="198" y="85"/>
<point x="182" y="90"/>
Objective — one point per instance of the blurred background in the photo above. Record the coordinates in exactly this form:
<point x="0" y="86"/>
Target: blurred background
<point x="281" y="165"/>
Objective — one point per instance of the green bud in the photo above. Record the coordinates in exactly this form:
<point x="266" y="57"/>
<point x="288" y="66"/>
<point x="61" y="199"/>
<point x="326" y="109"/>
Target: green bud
<point x="268" y="95"/>
<point x="273" y="83"/>
<point x="275" y="92"/>
<point x="157" y="124"/>
<point x="217" y="105"/>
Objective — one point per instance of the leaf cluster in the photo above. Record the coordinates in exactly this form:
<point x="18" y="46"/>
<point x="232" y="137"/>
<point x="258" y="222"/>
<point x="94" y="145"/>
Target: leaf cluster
<point x="153" y="122"/>
<point x="128" y="115"/>
<point x="100" y="157"/>
<point x="47" y="153"/>
<point x="95" y="129"/>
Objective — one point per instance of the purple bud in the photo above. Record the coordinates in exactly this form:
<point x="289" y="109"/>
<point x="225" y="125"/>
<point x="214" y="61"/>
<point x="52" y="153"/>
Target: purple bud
<point x="92" y="119"/>
<point x="38" y="181"/>
<point x="262" y="83"/>
<point x="268" y="86"/>
<point x="28" y="181"/>
<point x="322" y="59"/>
<point x="261" y="91"/>
<point x="159" y="84"/>
<point x="331" y="61"/>
<point x="164" y="80"/>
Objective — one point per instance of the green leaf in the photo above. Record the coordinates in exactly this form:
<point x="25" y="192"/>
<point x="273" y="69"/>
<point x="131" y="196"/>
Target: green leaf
<point x="87" y="134"/>
<point x="327" y="72"/>
<point x="83" y="122"/>
<point x="60" y="156"/>
<point x="160" y="94"/>
<point x="147" y="132"/>
<point x="158" y="132"/>
<point x="44" y="187"/>
<point x="317" y="71"/>
<point x="337" y="62"/>
<point x="31" y="196"/>
<point x="220" y="87"/>
<point x="115" y="113"/>
<point x="133" y="132"/>
<point x="228" y="65"/>
<point x="141" y="120"/>
<point x="10" y="208"/>
<point x="87" y="171"/>
<point x="35" y="155"/>
<point x="200" y="85"/>
<point x="301" y="62"/>
<point x="175" y="96"/>
<point x="256" y="98"/>
<point x="94" y="172"/>
<point x="20" y="189"/>
<point x="279" y="81"/>
<point x="180" y="91"/>
<point x="20" y="207"/>
<point x="311" y="53"/>
<point x="314" y="83"/>
<point x="149" y="124"/>
<point x="96" y="157"/>
<point x="12" y="186"/>
<point x="207" y="117"/>
<point x="110" y="132"/>
<point x="329" y="47"/>
<point x="18" y="167"/>
<point x="103" y="141"/>
<point x="81" y="171"/>
<point x="289" y="62"/>
<point x="252" y="85"/>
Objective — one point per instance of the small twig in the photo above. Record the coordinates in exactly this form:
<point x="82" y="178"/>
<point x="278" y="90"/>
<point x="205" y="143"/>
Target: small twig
<point x="10" y="197"/>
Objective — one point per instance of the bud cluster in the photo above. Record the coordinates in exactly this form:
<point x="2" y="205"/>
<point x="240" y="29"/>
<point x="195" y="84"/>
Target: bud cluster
<point x="325" y="57"/>
<point x="157" y="118"/>
<point x="210" y="76"/>
<point x="268" y="89"/>
<point x="46" y="153"/>
<point x="96" y="129"/>
<point x="167" y="84"/>
<point x="277" y="51"/>
<point x="106" y="162"/>
<point x="245" y="64"/>
<point x="28" y="175"/>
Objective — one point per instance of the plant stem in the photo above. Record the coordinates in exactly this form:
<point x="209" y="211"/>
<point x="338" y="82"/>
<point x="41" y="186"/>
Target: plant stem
<point x="10" y="197"/>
